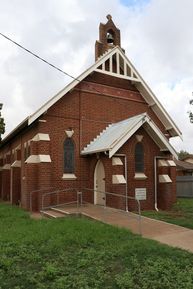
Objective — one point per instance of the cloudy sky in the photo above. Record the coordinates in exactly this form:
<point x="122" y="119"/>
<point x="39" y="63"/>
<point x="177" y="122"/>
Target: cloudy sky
<point x="156" y="34"/>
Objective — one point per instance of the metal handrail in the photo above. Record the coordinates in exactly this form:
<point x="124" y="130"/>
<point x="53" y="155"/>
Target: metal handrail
<point x="37" y="191"/>
<point x="79" y="199"/>
<point x="126" y="197"/>
<point x="57" y="195"/>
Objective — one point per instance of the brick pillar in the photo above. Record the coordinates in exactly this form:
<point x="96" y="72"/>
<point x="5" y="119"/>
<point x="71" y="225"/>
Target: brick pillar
<point x="172" y="174"/>
<point x="1" y="170"/>
<point x="6" y="179"/>
<point x="165" y="188"/>
<point x="37" y="171"/>
<point x="16" y="185"/>
<point x="16" y="179"/>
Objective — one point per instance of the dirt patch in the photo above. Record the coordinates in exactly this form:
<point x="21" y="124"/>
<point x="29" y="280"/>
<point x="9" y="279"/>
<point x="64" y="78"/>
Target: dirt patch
<point x="36" y="216"/>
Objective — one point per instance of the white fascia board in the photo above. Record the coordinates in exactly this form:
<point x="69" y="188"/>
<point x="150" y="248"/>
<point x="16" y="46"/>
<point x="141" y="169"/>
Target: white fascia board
<point x="163" y="138"/>
<point x="142" y="86"/>
<point x="70" y="86"/>
<point x="15" y="129"/>
<point x="94" y="151"/>
<point x="121" y="141"/>
<point x="151" y="98"/>
<point x="169" y="126"/>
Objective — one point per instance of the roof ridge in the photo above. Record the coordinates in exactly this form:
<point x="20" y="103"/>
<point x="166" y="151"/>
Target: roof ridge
<point x="134" y="116"/>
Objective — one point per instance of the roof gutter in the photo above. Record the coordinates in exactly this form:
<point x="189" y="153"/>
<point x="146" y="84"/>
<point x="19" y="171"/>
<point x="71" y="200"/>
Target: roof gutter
<point x="14" y="132"/>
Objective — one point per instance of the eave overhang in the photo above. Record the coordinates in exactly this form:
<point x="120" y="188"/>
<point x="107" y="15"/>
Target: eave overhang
<point x="117" y="134"/>
<point x="99" y="66"/>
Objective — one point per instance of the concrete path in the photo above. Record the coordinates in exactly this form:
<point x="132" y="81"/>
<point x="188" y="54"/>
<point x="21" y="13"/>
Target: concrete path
<point x="163" y="232"/>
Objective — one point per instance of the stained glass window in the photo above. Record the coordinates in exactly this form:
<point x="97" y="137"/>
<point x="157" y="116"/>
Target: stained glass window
<point x="69" y="156"/>
<point x="139" y="158"/>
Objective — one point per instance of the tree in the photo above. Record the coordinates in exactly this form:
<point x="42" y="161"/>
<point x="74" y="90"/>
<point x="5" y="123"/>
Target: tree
<point x="2" y="124"/>
<point x="190" y="113"/>
<point x="182" y="154"/>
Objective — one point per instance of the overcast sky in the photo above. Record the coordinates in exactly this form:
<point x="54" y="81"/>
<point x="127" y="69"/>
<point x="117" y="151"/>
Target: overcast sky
<point x="156" y="34"/>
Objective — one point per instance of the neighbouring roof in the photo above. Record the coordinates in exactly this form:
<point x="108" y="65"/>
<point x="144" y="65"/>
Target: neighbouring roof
<point x="125" y="70"/>
<point x="189" y="156"/>
<point x="116" y="134"/>
<point x="185" y="166"/>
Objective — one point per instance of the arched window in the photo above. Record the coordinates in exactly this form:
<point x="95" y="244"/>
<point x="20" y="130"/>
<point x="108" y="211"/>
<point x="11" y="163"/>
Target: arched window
<point x="139" y="158"/>
<point x="69" y="150"/>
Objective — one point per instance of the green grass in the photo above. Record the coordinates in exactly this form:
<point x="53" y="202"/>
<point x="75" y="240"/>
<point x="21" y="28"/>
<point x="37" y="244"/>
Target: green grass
<point x="74" y="253"/>
<point x="181" y="213"/>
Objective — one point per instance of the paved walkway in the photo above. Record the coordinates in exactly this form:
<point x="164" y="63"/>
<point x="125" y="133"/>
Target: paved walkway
<point x="163" y="232"/>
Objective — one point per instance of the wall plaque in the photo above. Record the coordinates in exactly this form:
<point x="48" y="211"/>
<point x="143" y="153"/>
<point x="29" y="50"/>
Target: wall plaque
<point x="141" y="194"/>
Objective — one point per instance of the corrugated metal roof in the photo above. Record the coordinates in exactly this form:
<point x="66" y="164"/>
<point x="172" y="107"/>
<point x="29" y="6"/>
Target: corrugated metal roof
<point x="113" y="134"/>
<point x="184" y="165"/>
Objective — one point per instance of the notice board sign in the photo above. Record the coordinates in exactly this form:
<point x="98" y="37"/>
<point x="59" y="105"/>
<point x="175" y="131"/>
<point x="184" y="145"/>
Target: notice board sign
<point x="141" y="194"/>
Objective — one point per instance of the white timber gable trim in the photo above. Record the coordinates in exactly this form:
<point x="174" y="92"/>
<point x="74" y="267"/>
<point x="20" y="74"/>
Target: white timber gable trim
<point x="162" y="139"/>
<point x="125" y="70"/>
<point x="120" y="142"/>
<point x="115" y="135"/>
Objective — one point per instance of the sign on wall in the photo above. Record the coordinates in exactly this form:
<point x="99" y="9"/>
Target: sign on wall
<point x="141" y="194"/>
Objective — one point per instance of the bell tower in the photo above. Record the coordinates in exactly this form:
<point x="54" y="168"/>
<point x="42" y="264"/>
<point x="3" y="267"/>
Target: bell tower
<point x="109" y="37"/>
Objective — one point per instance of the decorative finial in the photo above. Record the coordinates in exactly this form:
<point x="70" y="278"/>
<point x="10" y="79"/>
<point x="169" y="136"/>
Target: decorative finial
<point x="109" y="17"/>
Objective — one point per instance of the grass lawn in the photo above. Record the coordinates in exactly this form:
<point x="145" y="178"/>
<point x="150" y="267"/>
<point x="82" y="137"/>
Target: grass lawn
<point x="181" y="213"/>
<point x="74" y="253"/>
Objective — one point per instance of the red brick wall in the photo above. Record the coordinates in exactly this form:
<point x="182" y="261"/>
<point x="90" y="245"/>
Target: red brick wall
<point x="88" y="109"/>
<point x="16" y="186"/>
<point x="6" y="176"/>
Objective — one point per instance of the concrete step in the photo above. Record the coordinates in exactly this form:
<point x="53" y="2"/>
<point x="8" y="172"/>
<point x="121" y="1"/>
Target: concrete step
<point x="49" y="213"/>
<point x="61" y="211"/>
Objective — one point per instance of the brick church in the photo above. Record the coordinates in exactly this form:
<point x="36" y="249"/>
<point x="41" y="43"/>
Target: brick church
<point x="106" y="131"/>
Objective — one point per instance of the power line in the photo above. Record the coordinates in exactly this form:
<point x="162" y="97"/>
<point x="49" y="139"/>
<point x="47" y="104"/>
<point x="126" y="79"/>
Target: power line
<point x="37" y="56"/>
<point x="42" y="59"/>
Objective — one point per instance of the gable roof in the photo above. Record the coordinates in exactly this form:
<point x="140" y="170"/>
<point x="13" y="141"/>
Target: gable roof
<point x="184" y="165"/>
<point x="189" y="156"/>
<point x="115" y="135"/>
<point x="125" y="70"/>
